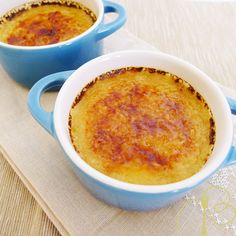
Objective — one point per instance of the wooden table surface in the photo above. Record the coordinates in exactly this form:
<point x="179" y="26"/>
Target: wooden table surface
<point x="164" y="24"/>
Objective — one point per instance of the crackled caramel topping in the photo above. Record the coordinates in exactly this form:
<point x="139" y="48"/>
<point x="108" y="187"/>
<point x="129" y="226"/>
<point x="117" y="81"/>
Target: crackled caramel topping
<point x="131" y="121"/>
<point x="44" y="23"/>
<point x="143" y="126"/>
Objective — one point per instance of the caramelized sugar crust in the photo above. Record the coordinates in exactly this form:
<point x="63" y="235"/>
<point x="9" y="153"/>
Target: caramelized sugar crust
<point x="143" y="126"/>
<point x="44" y="23"/>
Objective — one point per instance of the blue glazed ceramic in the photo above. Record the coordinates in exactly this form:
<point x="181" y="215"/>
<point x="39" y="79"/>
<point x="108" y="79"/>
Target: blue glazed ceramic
<point x="117" y="193"/>
<point x="27" y="65"/>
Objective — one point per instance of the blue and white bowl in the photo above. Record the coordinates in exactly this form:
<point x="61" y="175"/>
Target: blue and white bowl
<point x="112" y="191"/>
<point x="28" y="64"/>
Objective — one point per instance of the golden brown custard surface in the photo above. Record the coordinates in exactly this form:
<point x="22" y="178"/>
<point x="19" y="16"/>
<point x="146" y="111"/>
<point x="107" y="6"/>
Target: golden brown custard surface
<point x="142" y="126"/>
<point x="44" y="23"/>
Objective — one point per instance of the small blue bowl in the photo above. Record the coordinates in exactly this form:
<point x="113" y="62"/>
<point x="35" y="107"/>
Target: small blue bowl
<point x="112" y="191"/>
<point x="27" y="65"/>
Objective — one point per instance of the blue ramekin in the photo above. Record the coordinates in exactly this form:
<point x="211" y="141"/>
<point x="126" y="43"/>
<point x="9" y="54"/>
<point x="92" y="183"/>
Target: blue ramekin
<point x="112" y="191"/>
<point x="27" y="65"/>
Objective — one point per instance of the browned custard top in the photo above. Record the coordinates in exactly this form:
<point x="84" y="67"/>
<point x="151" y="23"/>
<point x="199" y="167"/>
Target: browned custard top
<point x="142" y="126"/>
<point x="43" y="23"/>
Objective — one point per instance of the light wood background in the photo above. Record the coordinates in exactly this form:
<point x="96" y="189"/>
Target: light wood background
<point x="20" y="214"/>
<point x="191" y="30"/>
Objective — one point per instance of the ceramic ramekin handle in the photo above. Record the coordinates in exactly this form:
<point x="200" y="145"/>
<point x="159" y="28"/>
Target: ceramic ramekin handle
<point x="232" y="155"/>
<point x="232" y="104"/>
<point x="53" y="81"/>
<point x="109" y="28"/>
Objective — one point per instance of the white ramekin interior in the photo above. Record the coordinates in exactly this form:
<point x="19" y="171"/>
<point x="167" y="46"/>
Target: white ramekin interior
<point x="94" y="5"/>
<point x="200" y="81"/>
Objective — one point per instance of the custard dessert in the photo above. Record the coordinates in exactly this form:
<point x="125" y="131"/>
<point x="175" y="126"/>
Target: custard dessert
<point x="45" y="22"/>
<point x="142" y="126"/>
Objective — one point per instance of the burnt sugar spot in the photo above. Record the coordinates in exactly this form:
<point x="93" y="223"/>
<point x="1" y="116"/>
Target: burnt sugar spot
<point x="38" y="24"/>
<point x="212" y="133"/>
<point x="146" y="124"/>
<point x="148" y="155"/>
<point x="42" y="30"/>
<point x="118" y="152"/>
<point x="124" y="125"/>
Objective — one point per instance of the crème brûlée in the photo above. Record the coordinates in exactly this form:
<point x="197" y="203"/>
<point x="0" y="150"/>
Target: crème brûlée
<point x="45" y="22"/>
<point x="142" y="126"/>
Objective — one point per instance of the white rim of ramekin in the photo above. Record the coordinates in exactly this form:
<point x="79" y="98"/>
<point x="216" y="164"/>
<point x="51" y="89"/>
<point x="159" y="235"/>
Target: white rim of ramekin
<point x="180" y="186"/>
<point x="63" y="43"/>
